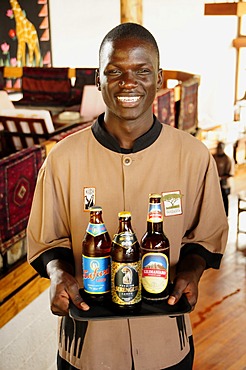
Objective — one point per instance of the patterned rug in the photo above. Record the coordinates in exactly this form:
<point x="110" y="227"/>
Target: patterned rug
<point x="188" y="116"/>
<point x="18" y="175"/>
<point x="45" y="86"/>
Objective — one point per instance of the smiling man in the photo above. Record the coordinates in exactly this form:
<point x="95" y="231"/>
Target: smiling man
<point x="124" y="156"/>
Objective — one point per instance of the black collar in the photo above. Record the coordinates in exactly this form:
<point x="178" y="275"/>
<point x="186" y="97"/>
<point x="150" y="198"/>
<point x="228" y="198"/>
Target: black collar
<point x="109" y="142"/>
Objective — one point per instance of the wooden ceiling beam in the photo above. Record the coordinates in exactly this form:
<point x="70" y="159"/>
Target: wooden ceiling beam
<point x="238" y="9"/>
<point x="239" y="42"/>
<point x="131" y="11"/>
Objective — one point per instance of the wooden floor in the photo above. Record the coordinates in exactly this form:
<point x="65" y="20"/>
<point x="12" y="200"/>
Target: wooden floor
<point x="219" y="319"/>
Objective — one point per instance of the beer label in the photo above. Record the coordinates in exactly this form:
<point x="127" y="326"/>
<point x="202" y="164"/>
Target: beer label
<point x="96" y="229"/>
<point x="96" y="274"/>
<point x="155" y="272"/>
<point x="155" y="213"/>
<point x="126" y="283"/>
<point x="125" y="239"/>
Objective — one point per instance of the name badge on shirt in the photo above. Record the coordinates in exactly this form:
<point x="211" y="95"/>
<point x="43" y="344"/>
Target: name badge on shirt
<point x="172" y="203"/>
<point x="89" y="195"/>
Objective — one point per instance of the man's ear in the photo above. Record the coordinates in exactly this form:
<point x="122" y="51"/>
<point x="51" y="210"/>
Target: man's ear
<point x="159" y="79"/>
<point x="97" y="80"/>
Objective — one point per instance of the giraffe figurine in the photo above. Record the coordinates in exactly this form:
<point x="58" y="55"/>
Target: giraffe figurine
<point x="27" y="36"/>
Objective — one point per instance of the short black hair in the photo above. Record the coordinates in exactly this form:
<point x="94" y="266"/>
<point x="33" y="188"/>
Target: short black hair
<point x="130" y="30"/>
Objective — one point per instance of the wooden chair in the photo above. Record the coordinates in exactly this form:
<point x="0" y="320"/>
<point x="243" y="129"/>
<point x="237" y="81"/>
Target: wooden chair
<point x="17" y="133"/>
<point x="241" y="207"/>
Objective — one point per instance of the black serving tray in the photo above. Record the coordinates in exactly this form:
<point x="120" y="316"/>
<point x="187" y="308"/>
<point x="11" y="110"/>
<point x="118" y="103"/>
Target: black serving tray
<point x="106" y="311"/>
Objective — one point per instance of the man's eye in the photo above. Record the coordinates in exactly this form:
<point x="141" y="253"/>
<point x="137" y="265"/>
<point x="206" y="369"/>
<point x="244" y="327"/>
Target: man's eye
<point x="113" y="72"/>
<point x="143" y="71"/>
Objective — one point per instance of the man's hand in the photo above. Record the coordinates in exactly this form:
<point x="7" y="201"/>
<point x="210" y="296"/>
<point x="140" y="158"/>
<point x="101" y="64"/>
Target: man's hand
<point x="189" y="272"/>
<point x="63" y="288"/>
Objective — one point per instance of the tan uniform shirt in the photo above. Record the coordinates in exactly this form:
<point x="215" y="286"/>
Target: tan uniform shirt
<point x="175" y="163"/>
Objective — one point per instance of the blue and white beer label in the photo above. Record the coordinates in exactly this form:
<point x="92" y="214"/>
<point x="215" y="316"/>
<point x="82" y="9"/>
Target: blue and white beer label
<point x="96" y="274"/>
<point x="96" y="229"/>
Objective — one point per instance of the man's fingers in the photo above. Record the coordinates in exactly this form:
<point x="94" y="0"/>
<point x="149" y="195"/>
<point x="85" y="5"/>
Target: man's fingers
<point x="179" y="288"/>
<point x="78" y="301"/>
<point x="60" y="308"/>
<point x="174" y="298"/>
<point x="84" y="306"/>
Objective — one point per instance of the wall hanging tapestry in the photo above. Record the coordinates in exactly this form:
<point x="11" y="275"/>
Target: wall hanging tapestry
<point x="188" y="115"/>
<point x="18" y="175"/>
<point x="164" y="106"/>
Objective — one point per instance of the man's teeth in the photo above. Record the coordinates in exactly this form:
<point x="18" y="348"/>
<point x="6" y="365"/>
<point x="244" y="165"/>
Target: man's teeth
<point x="128" y="99"/>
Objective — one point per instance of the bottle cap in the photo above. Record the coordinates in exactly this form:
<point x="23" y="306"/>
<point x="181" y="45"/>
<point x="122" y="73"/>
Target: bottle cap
<point x="124" y="214"/>
<point x="154" y="195"/>
<point x="95" y="209"/>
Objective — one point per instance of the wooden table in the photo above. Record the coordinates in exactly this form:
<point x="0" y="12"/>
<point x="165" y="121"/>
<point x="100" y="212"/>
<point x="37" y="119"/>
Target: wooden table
<point x="59" y="123"/>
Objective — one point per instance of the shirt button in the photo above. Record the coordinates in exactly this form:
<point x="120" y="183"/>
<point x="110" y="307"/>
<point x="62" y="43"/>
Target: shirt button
<point x="127" y="161"/>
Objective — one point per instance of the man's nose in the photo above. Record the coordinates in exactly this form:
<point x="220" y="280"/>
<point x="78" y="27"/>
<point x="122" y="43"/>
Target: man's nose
<point x="128" y="80"/>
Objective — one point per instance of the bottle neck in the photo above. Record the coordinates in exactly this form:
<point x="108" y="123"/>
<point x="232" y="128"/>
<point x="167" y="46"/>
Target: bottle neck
<point x="155" y="213"/>
<point x="155" y="227"/>
<point x="125" y="225"/>
<point x="96" y="218"/>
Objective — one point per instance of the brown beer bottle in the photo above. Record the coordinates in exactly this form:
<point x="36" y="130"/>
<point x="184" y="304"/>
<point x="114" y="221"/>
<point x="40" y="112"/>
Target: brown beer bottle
<point x="96" y="248"/>
<point x="125" y="267"/>
<point x="155" y="255"/>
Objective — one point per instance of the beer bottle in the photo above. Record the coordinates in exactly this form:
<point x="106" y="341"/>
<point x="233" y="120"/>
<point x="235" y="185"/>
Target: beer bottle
<point x="125" y="267"/>
<point x="96" y="248"/>
<point x="155" y="255"/>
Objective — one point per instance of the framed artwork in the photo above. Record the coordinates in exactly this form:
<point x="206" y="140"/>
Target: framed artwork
<point x="25" y="33"/>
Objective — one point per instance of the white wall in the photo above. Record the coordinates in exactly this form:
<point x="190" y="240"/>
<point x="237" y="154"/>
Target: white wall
<point x="188" y="41"/>
<point x="77" y="28"/>
<point x="192" y="42"/>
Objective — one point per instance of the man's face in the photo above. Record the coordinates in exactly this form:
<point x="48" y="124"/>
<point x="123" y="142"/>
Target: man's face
<point x="129" y="77"/>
